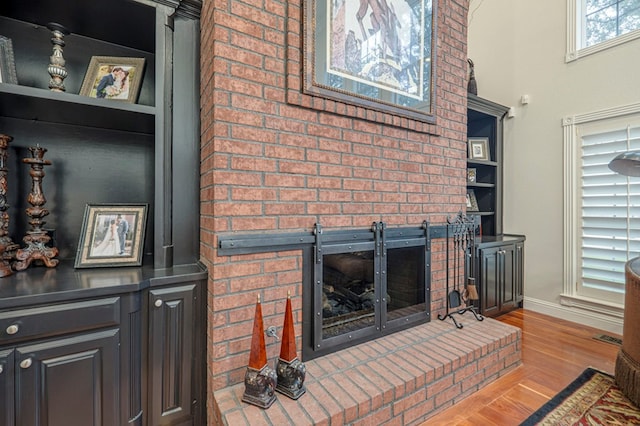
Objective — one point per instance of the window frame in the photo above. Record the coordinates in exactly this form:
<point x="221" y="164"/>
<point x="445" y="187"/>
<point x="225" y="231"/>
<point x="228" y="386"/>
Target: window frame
<point x="575" y="34"/>
<point x="575" y="126"/>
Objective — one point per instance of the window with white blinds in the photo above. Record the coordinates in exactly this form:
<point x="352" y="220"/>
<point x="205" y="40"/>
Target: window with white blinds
<point x="609" y="234"/>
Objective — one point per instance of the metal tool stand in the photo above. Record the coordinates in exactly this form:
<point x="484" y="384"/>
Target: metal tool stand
<point x="461" y="236"/>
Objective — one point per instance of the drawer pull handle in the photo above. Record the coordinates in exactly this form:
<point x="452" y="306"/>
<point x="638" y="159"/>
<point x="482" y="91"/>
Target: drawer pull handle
<point x="158" y="303"/>
<point x="13" y="329"/>
<point x="26" y="363"/>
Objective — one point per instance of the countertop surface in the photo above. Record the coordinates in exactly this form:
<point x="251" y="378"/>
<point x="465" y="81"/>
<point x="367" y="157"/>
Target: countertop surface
<point x="40" y="284"/>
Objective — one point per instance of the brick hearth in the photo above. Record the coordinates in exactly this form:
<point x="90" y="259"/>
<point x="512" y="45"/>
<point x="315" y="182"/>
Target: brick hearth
<point x="400" y="379"/>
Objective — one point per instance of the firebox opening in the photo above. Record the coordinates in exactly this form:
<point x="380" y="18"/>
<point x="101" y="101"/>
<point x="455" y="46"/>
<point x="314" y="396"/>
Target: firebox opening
<point x="365" y="285"/>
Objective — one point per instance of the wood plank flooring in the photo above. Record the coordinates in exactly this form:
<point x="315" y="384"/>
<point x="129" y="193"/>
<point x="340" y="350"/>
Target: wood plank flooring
<point x="554" y="353"/>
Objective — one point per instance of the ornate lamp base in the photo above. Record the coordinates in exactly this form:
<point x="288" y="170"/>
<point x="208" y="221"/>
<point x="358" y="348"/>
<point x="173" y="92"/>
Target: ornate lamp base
<point x="36" y="250"/>
<point x="37" y="238"/>
<point x="259" y="387"/>
<point x="56" y="67"/>
<point x="291" y="378"/>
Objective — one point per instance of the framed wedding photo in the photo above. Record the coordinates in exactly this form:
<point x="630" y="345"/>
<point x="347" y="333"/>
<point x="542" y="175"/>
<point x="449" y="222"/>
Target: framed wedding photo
<point x="112" y="235"/>
<point x="472" y="175"/>
<point x="7" y="62"/>
<point x="472" y="202"/>
<point x="479" y="149"/>
<point x="114" y="78"/>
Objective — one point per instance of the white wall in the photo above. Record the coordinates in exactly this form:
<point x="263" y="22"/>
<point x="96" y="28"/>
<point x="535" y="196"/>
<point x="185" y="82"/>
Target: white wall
<point x="519" y="48"/>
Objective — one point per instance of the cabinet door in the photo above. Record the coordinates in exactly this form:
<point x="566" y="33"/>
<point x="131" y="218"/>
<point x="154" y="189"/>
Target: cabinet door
<point x="171" y="348"/>
<point x="6" y="387"/>
<point x="68" y="382"/>
<point x="490" y="281"/>
<point x="507" y="263"/>
<point x="519" y="273"/>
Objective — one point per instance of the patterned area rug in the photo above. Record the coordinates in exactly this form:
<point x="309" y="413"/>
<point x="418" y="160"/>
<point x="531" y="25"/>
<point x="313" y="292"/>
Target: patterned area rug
<point x="591" y="399"/>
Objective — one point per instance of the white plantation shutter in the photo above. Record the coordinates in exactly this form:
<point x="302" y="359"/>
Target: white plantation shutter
<point x="610" y="214"/>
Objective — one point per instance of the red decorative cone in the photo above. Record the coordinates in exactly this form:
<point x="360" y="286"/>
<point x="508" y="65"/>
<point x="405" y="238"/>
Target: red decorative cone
<point x="288" y="349"/>
<point x="260" y="381"/>
<point x="290" y="370"/>
<point x="258" y="356"/>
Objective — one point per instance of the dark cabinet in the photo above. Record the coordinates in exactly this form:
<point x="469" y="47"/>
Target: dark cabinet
<point x="87" y="333"/>
<point x="500" y="272"/>
<point x="519" y="272"/>
<point x="499" y="257"/>
<point x="52" y="358"/>
<point x="7" y="380"/>
<point x="173" y="345"/>
<point x="51" y="378"/>
<point x="133" y="358"/>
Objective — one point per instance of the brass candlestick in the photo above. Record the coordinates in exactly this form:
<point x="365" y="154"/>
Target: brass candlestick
<point x="56" y="68"/>
<point x="7" y="246"/>
<point x="37" y="238"/>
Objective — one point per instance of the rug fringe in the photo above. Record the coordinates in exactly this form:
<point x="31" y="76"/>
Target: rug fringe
<point x="628" y="376"/>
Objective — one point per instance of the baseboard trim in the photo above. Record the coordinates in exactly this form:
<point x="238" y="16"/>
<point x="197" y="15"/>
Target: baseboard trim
<point x="612" y="324"/>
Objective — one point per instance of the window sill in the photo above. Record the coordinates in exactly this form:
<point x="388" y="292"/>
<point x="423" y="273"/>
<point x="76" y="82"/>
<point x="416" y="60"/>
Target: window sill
<point x="609" y="309"/>
<point x="574" y="54"/>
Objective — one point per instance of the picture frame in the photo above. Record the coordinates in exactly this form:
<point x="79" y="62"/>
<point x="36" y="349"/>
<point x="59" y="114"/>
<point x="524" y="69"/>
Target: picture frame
<point x="102" y="241"/>
<point x="7" y="62"/>
<point x="114" y="78"/>
<point x="472" y="202"/>
<point x="381" y="58"/>
<point x="472" y="175"/>
<point x="479" y="149"/>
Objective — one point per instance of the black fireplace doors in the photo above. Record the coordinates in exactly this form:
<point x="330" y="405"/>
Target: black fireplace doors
<point x="362" y="284"/>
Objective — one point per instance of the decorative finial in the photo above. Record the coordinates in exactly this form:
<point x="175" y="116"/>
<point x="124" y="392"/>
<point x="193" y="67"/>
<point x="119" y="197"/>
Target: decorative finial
<point x="291" y="371"/>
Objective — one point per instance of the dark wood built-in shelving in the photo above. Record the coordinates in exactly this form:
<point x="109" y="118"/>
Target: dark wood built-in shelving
<point x="105" y="345"/>
<point x="499" y="258"/>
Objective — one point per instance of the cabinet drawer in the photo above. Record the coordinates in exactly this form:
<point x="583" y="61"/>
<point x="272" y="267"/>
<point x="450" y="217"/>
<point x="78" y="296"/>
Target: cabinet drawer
<point x="54" y="320"/>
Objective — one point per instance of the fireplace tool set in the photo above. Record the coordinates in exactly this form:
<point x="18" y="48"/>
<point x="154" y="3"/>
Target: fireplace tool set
<point x="460" y="246"/>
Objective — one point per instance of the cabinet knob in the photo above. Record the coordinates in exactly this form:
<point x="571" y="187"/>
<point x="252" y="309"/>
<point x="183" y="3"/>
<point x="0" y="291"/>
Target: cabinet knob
<point x="158" y="303"/>
<point x="26" y="363"/>
<point x="13" y="329"/>
<point x="1" y="369"/>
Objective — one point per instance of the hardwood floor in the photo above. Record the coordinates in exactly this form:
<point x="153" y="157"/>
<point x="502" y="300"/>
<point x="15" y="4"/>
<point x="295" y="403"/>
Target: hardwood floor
<point x="554" y="353"/>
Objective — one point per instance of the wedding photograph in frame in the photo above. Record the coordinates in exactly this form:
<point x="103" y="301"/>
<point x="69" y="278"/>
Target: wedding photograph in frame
<point x="7" y="62"/>
<point x="375" y="54"/>
<point x="112" y="235"/>
<point x="479" y="149"/>
<point x="472" y="202"/>
<point x="472" y="175"/>
<point x="114" y="78"/>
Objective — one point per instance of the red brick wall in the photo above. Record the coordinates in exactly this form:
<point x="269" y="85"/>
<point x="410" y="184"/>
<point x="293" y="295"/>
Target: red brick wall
<point x="272" y="165"/>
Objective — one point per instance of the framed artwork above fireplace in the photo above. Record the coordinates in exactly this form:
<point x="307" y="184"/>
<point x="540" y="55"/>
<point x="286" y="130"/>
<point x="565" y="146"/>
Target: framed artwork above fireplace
<point x="375" y="54"/>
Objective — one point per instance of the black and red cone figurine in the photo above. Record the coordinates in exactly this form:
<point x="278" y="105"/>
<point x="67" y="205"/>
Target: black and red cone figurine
<point x="259" y="380"/>
<point x="291" y="371"/>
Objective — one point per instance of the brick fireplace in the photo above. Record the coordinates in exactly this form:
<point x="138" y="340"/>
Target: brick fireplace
<point x="276" y="161"/>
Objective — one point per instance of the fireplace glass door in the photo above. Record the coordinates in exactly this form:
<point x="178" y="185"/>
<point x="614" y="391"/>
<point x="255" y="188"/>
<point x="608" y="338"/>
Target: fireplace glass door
<point x="376" y="283"/>
<point x="349" y="291"/>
